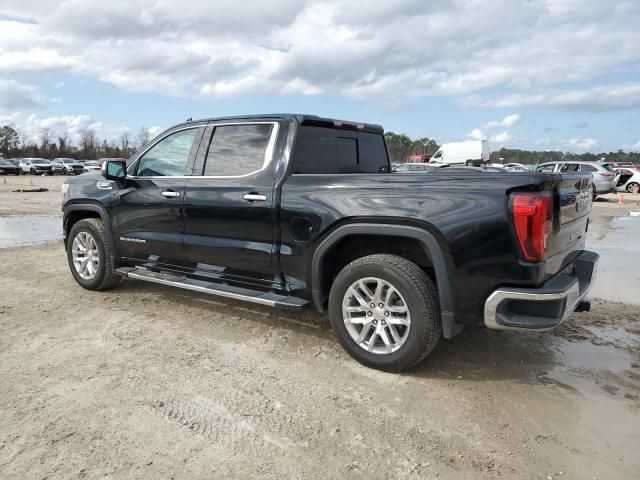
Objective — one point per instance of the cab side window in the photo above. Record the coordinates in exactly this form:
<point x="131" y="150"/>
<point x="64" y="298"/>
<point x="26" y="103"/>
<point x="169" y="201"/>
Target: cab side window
<point x="168" y="158"/>
<point x="237" y="150"/>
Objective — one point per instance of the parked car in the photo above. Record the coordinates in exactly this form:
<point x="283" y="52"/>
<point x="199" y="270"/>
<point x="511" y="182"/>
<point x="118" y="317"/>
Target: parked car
<point x="295" y="211"/>
<point x="8" y="168"/>
<point x="604" y="176"/>
<point x="516" y="167"/>
<point x="413" y="167"/>
<point x="90" y="165"/>
<point x="36" y="166"/>
<point x="628" y="179"/>
<point x="420" y="158"/>
<point x="474" y="152"/>
<point x="67" y="166"/>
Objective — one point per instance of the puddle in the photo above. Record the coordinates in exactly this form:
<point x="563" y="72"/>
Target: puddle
<point x="26" y="230"/>
<point x="618" y="277"/>
<point x="585" y="355"/>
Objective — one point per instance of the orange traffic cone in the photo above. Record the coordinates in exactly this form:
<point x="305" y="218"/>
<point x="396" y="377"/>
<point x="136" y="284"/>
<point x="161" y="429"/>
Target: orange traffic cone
<point x="621" y="199"/>
<point x="4" y="179"/>
<point x="31" y="181"/>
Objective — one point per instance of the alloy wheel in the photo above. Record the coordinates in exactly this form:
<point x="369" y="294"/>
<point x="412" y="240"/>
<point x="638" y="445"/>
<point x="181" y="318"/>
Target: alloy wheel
<point x="376" y="315"/>
<point x="86" y="256"/>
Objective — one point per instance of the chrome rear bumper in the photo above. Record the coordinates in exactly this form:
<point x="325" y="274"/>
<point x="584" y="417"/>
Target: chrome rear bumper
<point x="545" y="307"/>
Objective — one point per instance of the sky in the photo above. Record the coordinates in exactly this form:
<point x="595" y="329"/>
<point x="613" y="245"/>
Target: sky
<point x="533" y="74"/>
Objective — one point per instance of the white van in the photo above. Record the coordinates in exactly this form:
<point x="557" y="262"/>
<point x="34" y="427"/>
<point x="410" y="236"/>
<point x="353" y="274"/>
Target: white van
<point x="474" y="152"/>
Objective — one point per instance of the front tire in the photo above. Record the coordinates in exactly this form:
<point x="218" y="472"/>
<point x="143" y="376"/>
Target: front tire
<point x="384" y="310"/>
<point x="90" y="256"/>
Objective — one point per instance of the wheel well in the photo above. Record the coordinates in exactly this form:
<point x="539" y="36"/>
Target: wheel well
<point x="75" y="216"/>
<point x="352" y="247"/>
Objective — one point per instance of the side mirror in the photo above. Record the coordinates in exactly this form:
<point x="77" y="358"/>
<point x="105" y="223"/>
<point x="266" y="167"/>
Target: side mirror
<point x="114" y="169"/>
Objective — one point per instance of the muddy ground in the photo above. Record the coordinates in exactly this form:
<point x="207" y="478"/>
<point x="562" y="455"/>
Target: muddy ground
<point x="145" y="381"/>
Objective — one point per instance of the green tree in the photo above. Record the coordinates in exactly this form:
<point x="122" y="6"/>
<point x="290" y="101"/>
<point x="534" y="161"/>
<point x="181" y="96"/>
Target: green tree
<point x="9" y="140"/>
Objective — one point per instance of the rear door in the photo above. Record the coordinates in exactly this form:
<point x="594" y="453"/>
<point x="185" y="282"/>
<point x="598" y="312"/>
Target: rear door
<point x="229" y="202"/>
<point x="148" y="216"/>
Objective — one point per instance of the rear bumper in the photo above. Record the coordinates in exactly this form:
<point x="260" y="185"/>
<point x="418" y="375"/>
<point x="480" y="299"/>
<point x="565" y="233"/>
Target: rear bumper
<point x="545" y="307"/>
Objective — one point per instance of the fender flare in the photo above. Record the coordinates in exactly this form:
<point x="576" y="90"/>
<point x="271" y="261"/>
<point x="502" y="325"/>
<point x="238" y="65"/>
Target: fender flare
<point x="430" y="245"/>
<point x="88" y="207"/>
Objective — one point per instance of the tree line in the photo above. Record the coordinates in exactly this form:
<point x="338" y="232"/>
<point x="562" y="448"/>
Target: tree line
<point x="16" y="144"/>
<point x="401" y="146"/>
<point x="532" y="157"/>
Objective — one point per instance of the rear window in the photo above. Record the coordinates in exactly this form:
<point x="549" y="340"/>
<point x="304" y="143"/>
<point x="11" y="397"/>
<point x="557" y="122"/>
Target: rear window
<point x="320" y="150"/>
<point x="608" y="167"/>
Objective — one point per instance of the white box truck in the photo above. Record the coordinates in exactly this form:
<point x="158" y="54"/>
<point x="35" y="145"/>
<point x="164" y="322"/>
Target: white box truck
<point x="474" y="152"/>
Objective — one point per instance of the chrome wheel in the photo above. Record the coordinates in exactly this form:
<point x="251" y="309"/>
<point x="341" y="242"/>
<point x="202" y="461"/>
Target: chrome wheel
<point x="86" y="257"/>
<point x="376" y="315"/>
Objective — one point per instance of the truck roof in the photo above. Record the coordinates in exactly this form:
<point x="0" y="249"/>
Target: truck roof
<point x="303" y="119"/>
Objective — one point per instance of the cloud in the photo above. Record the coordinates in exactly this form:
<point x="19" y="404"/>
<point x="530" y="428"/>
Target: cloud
<point x="30" y="125"/>
<point x="14" y="95"/>
<point x="635" y="147"/>
<point x="477" y="134"/>
<point x="501" y="138"/>
<point x="392" y="51"/>
<point x="602" y="98"/>
<point x="506" y="122"/>
<point x="582" y="143"/>
<point x="580" y="125"/>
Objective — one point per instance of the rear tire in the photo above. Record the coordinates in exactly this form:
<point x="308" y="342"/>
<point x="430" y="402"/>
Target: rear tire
<point x="90" y="232"/>
<point x="594" y="193"/>
<point x="381" y="348"/>
<point x="631" y="186"/>
<point x="469" y="163"/>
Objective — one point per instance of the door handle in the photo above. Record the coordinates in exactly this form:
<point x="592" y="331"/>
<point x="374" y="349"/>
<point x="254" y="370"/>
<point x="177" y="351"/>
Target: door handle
<point x="254" y="197"/>
<point x="170" y="194"/>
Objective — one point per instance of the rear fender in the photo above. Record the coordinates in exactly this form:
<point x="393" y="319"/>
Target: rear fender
<point x="428" y="242"/>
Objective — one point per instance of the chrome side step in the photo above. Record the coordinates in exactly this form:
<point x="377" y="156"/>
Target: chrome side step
<point x="237" y="293"/>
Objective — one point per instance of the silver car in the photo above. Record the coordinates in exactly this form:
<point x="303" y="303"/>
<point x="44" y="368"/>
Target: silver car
<point x="604" y="176"/>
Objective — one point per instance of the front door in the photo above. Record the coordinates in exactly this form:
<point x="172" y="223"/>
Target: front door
<point x="148" y="216"/>
<point x="229" y="203"/>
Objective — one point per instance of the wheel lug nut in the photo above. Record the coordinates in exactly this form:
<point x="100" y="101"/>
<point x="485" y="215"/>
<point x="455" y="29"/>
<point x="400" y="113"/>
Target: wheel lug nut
<point x="369" y="314"/>
<point x="373" y="305"/>
<point x="375" y="322"/>
<point x="381" y="305"/>
<point x="383" y="322"/>
<point x="386" y="314"/>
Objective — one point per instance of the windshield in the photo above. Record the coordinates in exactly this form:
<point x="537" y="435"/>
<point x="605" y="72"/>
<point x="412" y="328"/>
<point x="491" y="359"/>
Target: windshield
<point x="40" y="161"/>
<point x="91" y="163"/>
<point x="5" y="163"/>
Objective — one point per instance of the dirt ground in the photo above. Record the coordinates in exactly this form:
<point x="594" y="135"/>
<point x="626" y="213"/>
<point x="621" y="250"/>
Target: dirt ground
<point x="149" y="382"/>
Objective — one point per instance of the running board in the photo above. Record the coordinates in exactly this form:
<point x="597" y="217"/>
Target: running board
<point x="237" y="293"/>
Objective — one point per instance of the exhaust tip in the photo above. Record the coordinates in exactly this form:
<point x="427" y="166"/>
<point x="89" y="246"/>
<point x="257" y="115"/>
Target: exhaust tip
<point x="584" y="306"/>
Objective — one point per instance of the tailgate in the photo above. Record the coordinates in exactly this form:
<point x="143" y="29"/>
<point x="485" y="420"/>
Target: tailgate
<point x="567" y="236"/>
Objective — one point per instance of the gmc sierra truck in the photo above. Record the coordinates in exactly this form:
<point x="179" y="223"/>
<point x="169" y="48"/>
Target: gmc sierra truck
<point x="298" y="211"/>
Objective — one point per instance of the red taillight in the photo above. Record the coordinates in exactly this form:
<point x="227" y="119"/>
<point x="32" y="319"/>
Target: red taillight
<point x="606" y="174"/>
<point x="531" y="215"/>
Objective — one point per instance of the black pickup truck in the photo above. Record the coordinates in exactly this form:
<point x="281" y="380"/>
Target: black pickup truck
<point x="295" y="211"/>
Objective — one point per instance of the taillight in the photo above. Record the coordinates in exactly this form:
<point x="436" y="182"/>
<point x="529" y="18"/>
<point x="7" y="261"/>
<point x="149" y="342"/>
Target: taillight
<point x="531" y="215"/>
<point x="606" y="174"/>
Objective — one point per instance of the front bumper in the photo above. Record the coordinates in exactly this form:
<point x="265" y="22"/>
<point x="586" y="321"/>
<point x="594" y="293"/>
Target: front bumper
<point x="545" y="307"/>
